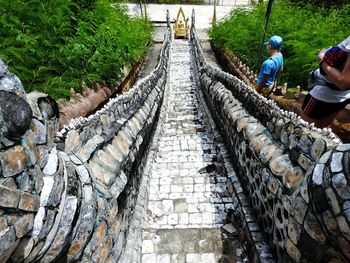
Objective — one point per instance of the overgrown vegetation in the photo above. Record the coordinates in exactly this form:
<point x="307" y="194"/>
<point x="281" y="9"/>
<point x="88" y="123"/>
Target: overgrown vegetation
<point x="306" y="29"/>
<point x="53" y="46"/>
<point x="320" y="2"/>
<point x="184" y="2"/>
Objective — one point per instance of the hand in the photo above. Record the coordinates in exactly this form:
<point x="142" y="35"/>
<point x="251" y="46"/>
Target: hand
<point x="320" y="55"/>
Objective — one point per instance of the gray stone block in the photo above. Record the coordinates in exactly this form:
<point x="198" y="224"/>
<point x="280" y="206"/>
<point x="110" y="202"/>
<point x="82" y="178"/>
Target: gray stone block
<point x="29" y="202"/>
<point x="13" y="161"/>
<point x="9" y="198"/>
<point x="91" y="145"/>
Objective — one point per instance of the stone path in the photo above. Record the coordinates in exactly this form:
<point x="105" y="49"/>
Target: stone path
<point x="188" y="201"/>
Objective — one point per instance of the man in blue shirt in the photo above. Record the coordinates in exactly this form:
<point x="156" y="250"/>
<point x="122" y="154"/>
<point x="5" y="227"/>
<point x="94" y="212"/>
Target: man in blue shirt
<point x="271" y="68"/>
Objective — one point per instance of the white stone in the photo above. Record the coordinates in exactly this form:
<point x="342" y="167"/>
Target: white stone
<point x="163" y="220"/>
<point x="336" y="163"/>
<point x="343" y="147"/>
<point x="192" y="207"/>
<point x="210" y="187"/>
<point x="220" y="188"/>
<point x="217" y="218"/>
<point x="229" y="228"/>
<point x="324" y="158"/>
<point x="163" y="258"/>
<point x="52" y="162"/>
<point x="149" y="258"/>
<point x="153" y="197"/>
<point x="47" y="188"/>
<point x="154" y="181"/>
<point x="183" y="219"/>
<point x="188" y="188"/>
<point x="164" y="189"/>
<point x="156" y="208"/>
<point x="229" y="206"/>
<point x="188" y="180"/>
<point x="193" y="258"/>
<point x="168" y="206"/>
<point x="195" y="218"/>
<point x="83" y="174"/>
<point x="176" y="188"/>
<point x="38" y="221"/>
<point x="165" y="181"/>
<point x="166" y="226"/>
<point x="173" y="219"/>
<point x="199" y="188"/>
<point x="208" y="258"/>
<point x="317" y="176"/>
<point x="206" y="207"/>
<point x="147" y="246"/>
<point x="199" y="180"/>
<point x="227" y="199"/>
<point x="175" y="195"/>
<point x="154" y="189"/>
<point x="163" y="196"/>
<point x="207" y="218"/>
<point x="156" y="239"/>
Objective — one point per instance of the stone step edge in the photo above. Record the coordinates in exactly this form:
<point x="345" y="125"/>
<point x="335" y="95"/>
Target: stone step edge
<point x="260" y="251"/>
<point x="132" y="249"/>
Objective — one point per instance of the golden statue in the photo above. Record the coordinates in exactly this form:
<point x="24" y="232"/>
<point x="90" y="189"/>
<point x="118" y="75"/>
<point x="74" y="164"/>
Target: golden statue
<point x="181" y="27"/>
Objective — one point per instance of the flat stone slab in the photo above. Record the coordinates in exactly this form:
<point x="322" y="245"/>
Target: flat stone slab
<point x="183" y="242"/>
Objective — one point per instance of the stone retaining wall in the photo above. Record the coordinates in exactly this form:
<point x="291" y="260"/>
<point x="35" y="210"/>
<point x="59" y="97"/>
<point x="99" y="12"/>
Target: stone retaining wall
<point x="71" y="197"/>
<point x="231" y="63"/>
<point x="296" y="176"/>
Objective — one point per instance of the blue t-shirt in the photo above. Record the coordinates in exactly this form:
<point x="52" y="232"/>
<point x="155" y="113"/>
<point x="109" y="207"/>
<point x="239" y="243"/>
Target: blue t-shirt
<point x="270" y="67"/>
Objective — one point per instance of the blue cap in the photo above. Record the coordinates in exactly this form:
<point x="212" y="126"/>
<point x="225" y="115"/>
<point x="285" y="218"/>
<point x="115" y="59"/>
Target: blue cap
<point x="275" y="41"/>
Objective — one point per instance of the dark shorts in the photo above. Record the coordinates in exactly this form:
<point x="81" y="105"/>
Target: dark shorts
<point x="317" y="109"/>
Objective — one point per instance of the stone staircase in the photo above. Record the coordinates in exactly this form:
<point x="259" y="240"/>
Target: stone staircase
<point x="188" y="200"/>
<point x="156" y="175"/>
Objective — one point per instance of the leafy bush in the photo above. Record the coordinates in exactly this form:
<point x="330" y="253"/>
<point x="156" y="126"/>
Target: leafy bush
<point x="54" y="46"/>
<point x="320" y="2"/>
<point x="305" y="31"/>
<point x="198" y="2"/>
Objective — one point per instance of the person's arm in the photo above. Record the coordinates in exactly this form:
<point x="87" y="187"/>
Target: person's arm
<point x="279" y="72"/>
<point x="262" y="83"/>
<point x="340" y="78"/>
<point x="265" y="71"/>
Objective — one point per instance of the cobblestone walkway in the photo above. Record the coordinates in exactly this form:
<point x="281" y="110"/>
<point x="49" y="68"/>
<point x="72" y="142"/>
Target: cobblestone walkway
<point x="187" y="195"/>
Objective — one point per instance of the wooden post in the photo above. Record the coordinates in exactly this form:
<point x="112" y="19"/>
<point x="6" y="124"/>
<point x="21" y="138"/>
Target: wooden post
<point x="267" y="18"/>
<point x="145" y="7"/>
<point x="214" y="15"/>
<point x="141" y="9"/>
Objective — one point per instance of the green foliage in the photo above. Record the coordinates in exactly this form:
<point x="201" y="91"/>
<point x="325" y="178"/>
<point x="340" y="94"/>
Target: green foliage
<point x="53" y="46"/>
<point x="184" y="2"/>
<point x="320" y="2"/>
<point x="305" y="30"/>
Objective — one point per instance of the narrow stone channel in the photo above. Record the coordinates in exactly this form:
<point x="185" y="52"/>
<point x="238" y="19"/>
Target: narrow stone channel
<point x="188" y="201"/>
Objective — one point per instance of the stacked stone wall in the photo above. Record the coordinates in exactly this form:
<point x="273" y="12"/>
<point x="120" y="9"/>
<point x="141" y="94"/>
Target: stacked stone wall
<point x="296" y="176"/>
<point x="70" y="196"/>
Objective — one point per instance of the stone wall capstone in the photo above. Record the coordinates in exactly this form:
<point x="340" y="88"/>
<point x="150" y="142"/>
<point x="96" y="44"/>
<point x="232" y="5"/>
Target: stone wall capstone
<point x="296" y="176"/>
<point x="69" y="196"/>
